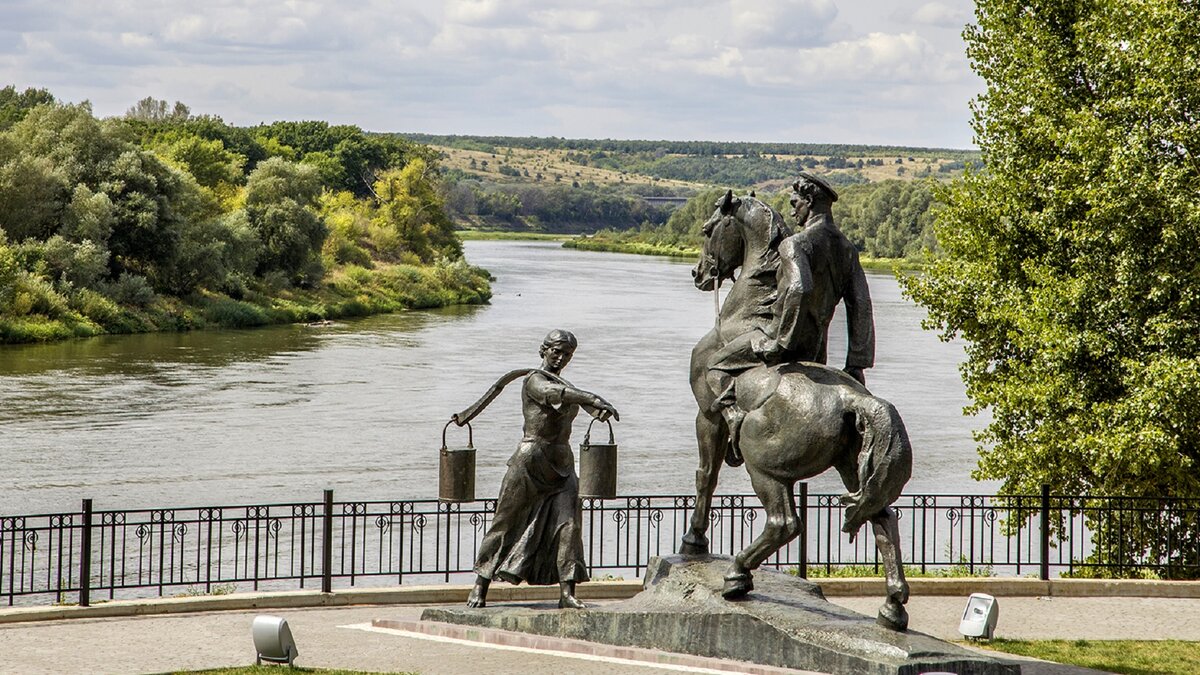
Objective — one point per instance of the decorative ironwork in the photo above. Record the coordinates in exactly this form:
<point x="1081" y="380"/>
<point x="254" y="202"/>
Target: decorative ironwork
<point x="109" y="518"/>
<point x="163" y="551"/>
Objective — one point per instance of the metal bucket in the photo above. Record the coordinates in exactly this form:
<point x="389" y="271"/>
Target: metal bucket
<point x="456" y="470"/>
<point x="598" y="466"/>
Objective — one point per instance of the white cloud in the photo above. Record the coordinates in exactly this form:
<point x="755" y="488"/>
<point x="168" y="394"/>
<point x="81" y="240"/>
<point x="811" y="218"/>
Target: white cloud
<point x="474" y="12"/>
<point x="782" y="23"/>
<point x="570" y="20"/>
<point x="938" y="14"/>
<point x="619" y="68"/>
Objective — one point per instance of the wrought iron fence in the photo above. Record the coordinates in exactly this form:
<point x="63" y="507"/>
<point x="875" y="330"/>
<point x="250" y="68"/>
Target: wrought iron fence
<point x="69" y="557"/>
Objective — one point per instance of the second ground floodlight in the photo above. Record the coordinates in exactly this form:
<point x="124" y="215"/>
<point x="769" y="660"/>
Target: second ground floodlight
<point x="979" y="618"/>
<point x="273" y="641"/>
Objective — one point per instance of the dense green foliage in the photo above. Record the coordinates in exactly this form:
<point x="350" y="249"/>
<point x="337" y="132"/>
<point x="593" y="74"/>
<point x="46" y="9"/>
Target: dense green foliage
<point x="1070" y="263"/>
<point x="889" y="219"/>
<point x="680" y="235"/>
<point x="551" y="208"/>
<point x="155" y="221"/>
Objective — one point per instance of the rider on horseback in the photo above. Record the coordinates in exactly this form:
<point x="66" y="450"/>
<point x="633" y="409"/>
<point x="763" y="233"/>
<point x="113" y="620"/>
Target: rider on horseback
<point x="818" y="268"/>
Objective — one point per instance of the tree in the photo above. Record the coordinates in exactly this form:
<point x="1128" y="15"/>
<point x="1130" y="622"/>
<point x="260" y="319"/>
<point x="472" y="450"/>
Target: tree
<point x="411" y="206"/>
<point x="280" y="201"/>
<point x="14" y="105"/>
<point x="889" y="219"/>
<point x="151" y="109"/>
<point x="1070" y="260"/>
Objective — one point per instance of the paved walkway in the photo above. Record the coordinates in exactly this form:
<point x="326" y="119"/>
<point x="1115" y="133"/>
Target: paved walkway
<point x="326" y="638"/>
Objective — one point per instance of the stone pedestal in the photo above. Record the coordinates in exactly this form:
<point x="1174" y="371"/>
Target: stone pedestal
<point x="785" y="622"/>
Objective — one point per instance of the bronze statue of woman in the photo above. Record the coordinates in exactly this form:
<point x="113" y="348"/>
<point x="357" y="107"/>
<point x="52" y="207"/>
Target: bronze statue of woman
<point x="535" y="535"/>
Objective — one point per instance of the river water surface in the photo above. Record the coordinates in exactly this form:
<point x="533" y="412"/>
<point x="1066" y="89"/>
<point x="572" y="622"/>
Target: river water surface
<point x="277" y="414"/>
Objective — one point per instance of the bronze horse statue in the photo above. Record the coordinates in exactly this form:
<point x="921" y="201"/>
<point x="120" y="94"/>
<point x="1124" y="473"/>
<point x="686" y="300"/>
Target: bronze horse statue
<point x="801" y="418"/>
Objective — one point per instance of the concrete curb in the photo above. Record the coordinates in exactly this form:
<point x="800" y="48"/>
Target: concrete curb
<point x="596" y="590"/>
<point x="397" y="595"/>
<point x="1018" y="587"/>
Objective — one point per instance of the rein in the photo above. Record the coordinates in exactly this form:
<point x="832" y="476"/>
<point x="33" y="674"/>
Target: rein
<point x="717" y="301"/>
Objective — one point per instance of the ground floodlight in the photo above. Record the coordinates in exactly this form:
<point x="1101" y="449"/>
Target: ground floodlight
<point x="273" y="640"/>
<point x="979" y="618"/>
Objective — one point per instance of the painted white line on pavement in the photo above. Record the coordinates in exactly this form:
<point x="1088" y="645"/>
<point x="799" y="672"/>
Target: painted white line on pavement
<point x="528" y="650"/>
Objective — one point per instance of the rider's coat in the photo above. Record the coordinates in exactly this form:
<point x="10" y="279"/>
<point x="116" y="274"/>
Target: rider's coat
<point x="819" y="268"/>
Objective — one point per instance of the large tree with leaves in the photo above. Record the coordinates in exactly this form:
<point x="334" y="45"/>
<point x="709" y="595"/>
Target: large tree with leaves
<point x="1071" y="264"/>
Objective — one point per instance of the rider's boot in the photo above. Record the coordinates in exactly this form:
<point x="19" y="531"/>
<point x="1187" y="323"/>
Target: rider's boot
<point x="726" y="403"/>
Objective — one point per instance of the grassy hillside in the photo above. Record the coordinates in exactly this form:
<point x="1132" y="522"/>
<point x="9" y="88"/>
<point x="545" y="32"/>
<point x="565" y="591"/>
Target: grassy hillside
<point x="685" y="167"/>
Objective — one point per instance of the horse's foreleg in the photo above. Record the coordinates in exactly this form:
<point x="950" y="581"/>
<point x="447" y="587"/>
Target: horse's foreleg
<point x="887" y="541"/>
<point x="711" y="437"/>
<point x="782" y="526"/>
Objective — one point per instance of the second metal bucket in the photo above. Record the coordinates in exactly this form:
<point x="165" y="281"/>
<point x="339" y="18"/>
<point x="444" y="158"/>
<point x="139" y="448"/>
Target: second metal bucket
<point x="598" y="466"/>
<point x="456" y="469"/>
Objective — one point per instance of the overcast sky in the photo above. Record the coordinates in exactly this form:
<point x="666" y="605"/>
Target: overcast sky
<point x="846" y="71"/>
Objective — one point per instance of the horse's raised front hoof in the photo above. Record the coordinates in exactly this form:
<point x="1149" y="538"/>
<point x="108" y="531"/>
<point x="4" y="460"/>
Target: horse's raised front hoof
<point x="893" y="616"/>
<point x="693" y="546"/>
<point x="737" y="586"/>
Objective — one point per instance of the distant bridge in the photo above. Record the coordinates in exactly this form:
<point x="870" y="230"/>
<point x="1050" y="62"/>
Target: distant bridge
<point x="678" y="201"/>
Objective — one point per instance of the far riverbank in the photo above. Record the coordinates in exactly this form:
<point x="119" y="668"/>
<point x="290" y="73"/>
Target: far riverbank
<point x="586" y="243"/>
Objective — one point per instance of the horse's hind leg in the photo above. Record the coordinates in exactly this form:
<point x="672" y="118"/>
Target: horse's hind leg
<point x="712" y="438"/>
<point x="887" y="541"/>
<point x="781" y="527"/>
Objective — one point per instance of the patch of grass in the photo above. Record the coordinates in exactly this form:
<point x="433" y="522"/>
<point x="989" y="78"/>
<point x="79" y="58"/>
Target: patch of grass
<point x="860" y="571"/>
<point x="891" y="265"/>
<point x="490" y="235"/>
<point x="232" y="313"/>
<point x="197" y="591"/>
<point x="1135" y="657"/>
<point x="1111" y="573"/>
<point x="275" y="670"/>
<point x="636" y="247"/>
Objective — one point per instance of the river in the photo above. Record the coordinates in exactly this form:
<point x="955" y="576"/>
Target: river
<point x="277" y="414"/>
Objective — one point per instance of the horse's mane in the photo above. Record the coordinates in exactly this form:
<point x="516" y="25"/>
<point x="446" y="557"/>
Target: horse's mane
<point x="779" y="227"/>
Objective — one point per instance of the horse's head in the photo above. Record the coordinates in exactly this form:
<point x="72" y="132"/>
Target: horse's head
<point x="723" y="244"/>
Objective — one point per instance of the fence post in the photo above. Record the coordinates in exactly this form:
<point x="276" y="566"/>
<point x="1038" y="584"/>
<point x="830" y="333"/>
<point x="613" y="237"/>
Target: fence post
<point x="327" y="544"/>
<point x="803" y="572"/>
<point x="85" y="556"/>
<point x="1045" y="566"/>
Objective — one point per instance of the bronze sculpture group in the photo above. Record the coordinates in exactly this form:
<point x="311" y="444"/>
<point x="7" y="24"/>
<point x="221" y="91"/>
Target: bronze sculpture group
<point x="765" y="396"/>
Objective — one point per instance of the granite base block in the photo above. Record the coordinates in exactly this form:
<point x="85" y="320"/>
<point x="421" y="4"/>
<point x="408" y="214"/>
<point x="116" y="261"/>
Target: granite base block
<point x="785" y="622"/>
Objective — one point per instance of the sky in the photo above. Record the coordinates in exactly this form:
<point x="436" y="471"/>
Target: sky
<point x="888" y="72"/>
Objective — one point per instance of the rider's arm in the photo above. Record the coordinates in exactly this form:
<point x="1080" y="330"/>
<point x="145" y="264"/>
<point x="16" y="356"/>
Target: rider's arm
<point x="795" y="281"/>
<point x="860" y="321"/>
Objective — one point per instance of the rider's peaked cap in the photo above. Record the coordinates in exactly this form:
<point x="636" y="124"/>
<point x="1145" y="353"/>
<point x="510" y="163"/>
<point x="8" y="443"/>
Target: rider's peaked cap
<point x="819" y="182"/>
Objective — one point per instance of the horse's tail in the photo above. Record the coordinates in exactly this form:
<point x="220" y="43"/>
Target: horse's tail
<point x="884" y="462"/>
